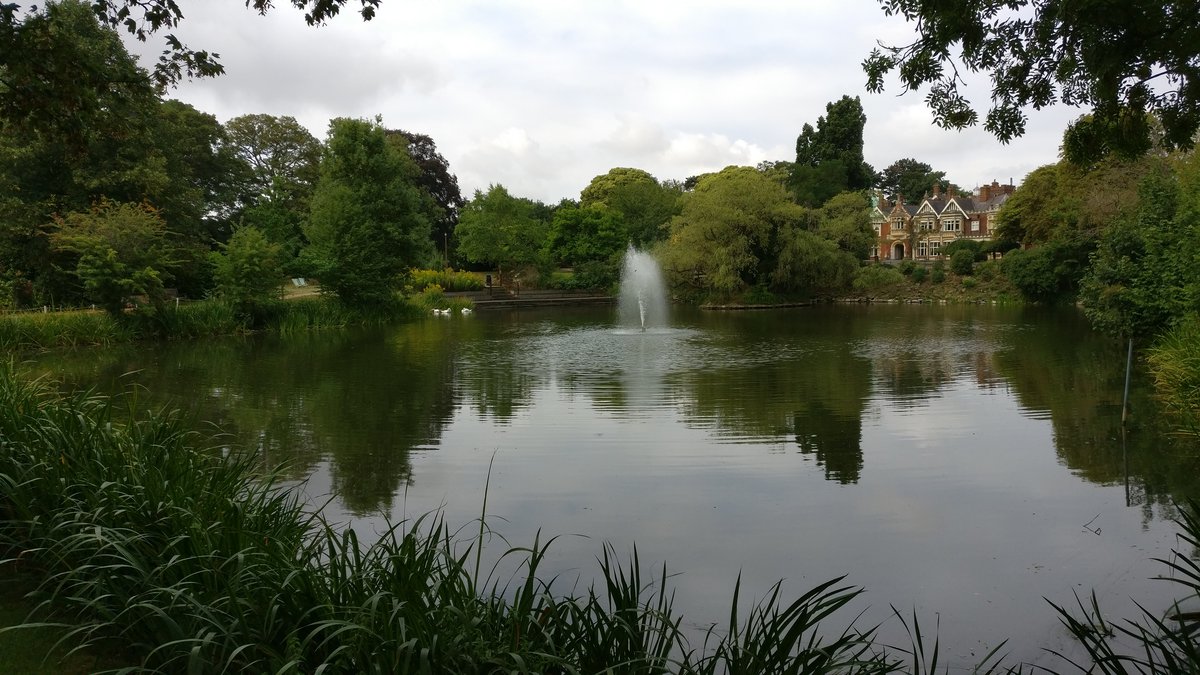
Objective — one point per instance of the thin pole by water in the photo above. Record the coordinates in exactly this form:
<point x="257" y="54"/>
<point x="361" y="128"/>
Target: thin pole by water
<point x="1128" y="368"/>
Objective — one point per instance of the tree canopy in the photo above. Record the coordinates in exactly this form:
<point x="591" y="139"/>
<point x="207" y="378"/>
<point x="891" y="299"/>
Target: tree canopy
<point x="911" y="179"/>
<point x="638" y="198"/>
<point x="497" y="228"/>
<point x="367" y="226"/>
<point x="739" y="229"/>
<point x="1127" y="61"/>
<point x="829" y="158"/>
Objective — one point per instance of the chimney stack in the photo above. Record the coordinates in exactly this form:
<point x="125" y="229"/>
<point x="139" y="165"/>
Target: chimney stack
<point x="937" y="189"/>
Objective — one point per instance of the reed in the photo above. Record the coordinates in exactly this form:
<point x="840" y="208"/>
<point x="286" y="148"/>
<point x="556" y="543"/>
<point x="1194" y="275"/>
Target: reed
<point x="36" y="330"/>
<point x="1175" y="364"/>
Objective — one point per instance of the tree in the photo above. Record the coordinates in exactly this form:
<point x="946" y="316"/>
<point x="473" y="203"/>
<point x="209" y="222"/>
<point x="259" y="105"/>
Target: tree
<point x="1051" y="272"/>
<point x="122" y="250"/>
<point x="247" y="269"/>
<point x="845" y="220"/>
<point x="284" y="157"/>
<point x="500" y="229"/>
<point x="63" y="76"/>
<point x="1064" y="199"/>
<point x="439" y="185"/>
<point x="582" y="234"/>
<point x="639" y="198"/>
<point x="1125" y="60"/>
<point x="1143" y="277"/>
<point x="367" y="227"/>
<point x="829" y="158"/>
<point x="739" y="229"/>
<point x="911" y="179"/>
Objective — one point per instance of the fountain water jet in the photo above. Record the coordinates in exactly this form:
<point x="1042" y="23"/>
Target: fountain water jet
<point x="643" y="299"/>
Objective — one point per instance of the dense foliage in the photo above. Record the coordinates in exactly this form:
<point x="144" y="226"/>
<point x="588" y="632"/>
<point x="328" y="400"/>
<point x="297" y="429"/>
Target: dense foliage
<point x="367" y="227"/>
<point x="829" y="158"/>
<point x="1129" y="61"/>
<point x="739" y="229"/>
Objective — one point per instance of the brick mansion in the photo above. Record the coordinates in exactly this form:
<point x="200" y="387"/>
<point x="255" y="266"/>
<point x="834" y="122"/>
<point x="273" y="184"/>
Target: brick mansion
<point x="920" y="230"/>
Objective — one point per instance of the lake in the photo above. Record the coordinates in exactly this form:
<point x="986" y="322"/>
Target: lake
<point x="963" y="462"/>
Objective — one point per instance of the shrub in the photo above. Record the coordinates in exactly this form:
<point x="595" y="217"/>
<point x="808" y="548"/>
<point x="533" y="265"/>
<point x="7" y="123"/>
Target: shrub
<point x="876" y="276"/>
<point x="962" y="262"/>
<point x="247" y="270"/>
<point x="906" y="267"/>
<point x="918" y="274"/>
<point x="449" y="280"/>
<point x="969" y="282"/>
<point x="938" y="275"/>
<point x="988" y="270"/>
<point x="975" y="247"/>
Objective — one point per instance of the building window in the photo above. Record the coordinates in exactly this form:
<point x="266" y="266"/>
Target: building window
<point x="875" y="251"/>
<point x="935" y="248"/>
<point x="876" y="225"/>
<point x="952" y="224"/>
<point x="898" y="224"/>
<point x="974" y="225"/>
<point x="926" y="224"/>
<point x="921" y="248"/>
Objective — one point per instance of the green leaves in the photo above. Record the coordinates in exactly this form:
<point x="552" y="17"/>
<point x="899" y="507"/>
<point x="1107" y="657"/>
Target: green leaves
<point x="1129" y="61"/>
<point x="367" y="225"/>
<point x="122" y="250"/>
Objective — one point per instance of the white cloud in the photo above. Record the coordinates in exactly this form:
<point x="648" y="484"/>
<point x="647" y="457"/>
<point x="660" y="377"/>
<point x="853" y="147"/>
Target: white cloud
<point x="542" y="96"/>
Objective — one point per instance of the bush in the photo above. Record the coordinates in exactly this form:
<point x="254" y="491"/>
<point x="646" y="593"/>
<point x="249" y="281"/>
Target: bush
<point x="449" y="280"/>
<point x="248" y="270"/>
<point x="871" y="277"/>
<point x="975" y="247"/>
<point x="918" y="274"/>
<point x="906" y="267"/>
<point x="969" y="282"/>
<point x="962" y="262"/>
<point x="938" y="275"/>
<point x="988" y="270"/>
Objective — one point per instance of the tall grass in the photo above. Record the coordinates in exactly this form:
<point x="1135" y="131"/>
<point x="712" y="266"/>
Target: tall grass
<point x="35" y="330"/>
<point x="450" y="280"/>
<point x="1175" y="364"/>
<point x="206" y="318"/>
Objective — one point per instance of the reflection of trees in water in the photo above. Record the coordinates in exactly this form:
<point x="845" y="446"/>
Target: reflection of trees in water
<point x="787" y="375"/>
<point x="361" y="400"/>
<point x="1077" y="377"/>
<point x="834" y="441"/>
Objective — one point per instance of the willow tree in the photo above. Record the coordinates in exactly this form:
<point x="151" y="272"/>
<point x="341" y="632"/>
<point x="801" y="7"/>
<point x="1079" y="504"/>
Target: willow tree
<point x="739" y="229"/>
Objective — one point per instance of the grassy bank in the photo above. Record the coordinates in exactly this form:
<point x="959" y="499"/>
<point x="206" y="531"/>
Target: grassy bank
<point x="186" y="561"/>
<point x="30" y="331"/>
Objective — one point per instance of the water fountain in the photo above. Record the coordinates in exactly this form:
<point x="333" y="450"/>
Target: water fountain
<point x="643" y="300"/>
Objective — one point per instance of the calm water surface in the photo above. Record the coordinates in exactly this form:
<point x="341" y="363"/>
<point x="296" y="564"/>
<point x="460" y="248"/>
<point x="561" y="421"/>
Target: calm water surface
<point x="962" y="462"/>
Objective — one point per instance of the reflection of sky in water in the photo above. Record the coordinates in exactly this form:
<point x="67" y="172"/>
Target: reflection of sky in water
<point x="912" y="449"/>
<point x="961" y="509"/>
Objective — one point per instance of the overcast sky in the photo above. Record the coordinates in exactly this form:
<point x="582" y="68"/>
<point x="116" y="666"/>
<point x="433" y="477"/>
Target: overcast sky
<point x="541" y="96"/>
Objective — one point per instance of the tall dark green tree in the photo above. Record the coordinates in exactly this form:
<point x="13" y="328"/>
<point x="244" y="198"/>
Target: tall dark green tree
<point x="441" y="187"/>
<point x="910" y="178"/>
<point x="829" y="158"/>
<point x="367" y="226"/>
<point x="1125" y="60"/>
